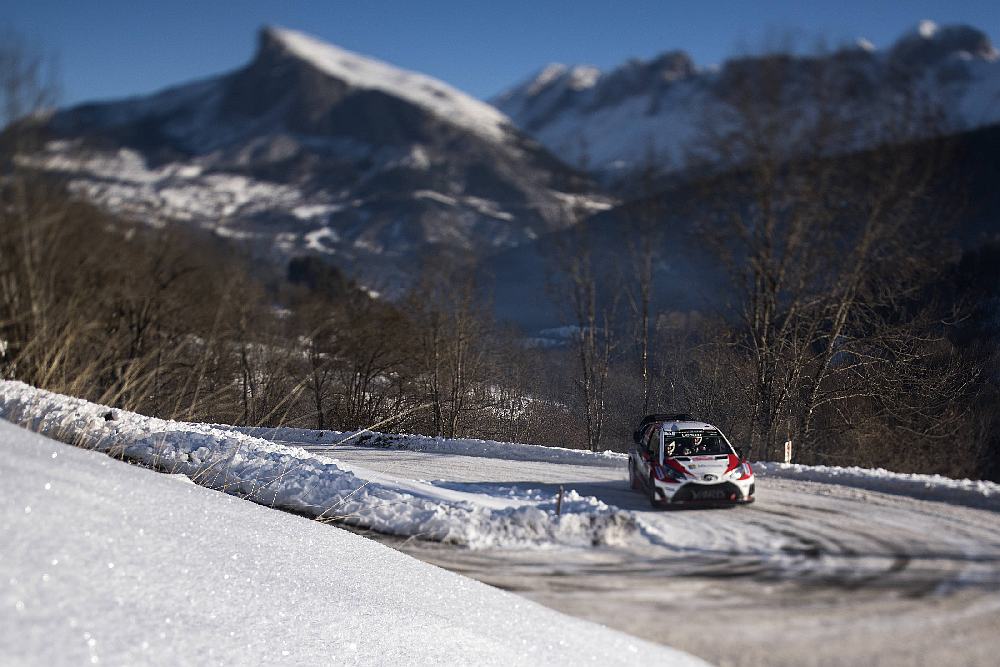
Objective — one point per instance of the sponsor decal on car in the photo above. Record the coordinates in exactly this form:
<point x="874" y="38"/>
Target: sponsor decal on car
<point x="708" y="494"/>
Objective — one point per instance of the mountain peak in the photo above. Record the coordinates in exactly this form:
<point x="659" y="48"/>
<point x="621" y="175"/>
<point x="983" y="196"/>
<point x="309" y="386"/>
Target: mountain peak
<point x="362" y="72"/>
<point x="927" y="29"/>
<point x="929" y="43"/>
<point x="546" y="76"/>
<point x="657" y="106"/>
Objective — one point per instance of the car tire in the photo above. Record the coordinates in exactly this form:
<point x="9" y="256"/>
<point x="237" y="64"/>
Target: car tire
<point x="633" y="479"/>
<point x="653" y="500"/>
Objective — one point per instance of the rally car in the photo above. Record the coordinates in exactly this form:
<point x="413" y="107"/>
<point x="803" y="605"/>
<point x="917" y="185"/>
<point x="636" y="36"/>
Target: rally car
<point x="677" y="460"/>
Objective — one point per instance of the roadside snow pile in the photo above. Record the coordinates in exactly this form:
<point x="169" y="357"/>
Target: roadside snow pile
<point x="103" y="562"/>
<point x="510" y="451"/>
<point x="291" y="478"/>
<point x="968" y="492"/>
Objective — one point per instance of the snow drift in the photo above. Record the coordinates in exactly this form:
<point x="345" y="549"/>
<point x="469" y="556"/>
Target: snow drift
<point x="975" y="493"/>
<point x="292" y="479"/>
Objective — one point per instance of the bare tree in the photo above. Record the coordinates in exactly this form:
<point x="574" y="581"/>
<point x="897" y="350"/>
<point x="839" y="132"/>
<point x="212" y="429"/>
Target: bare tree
<point x="453" y="335"/>
<point x="320" y="355"/>
<point x="645" y="215"/>
<point x="824" y="227"/>
<point x="29" y="216"/>
<point x="590" y="294"/>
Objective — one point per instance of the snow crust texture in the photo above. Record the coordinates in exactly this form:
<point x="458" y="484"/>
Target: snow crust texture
<point x="292" y="479"/>
<point x="106" y="563"/>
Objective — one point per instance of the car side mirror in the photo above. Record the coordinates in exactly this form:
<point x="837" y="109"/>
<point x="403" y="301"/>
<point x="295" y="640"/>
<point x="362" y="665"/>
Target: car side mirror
<point x="741" y="454"/>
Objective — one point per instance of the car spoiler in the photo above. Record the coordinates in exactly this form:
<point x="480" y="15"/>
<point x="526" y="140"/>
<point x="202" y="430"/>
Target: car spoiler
<point x="659" y="417"/>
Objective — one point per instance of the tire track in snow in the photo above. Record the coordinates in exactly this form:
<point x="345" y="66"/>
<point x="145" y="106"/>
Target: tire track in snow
<point x="884" y="578"/>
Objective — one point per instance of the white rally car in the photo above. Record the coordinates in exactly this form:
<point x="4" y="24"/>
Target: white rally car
<point x="676" y="460"/>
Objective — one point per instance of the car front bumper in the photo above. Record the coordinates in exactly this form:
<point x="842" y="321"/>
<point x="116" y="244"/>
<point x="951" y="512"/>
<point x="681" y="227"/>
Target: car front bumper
<point x="727" y="492"/>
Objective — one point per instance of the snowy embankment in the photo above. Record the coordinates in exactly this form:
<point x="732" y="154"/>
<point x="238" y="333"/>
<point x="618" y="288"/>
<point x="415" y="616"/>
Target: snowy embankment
<point x="969" y="492"/>
<point x="103" y="562"/>
<point x="291" y="478"/>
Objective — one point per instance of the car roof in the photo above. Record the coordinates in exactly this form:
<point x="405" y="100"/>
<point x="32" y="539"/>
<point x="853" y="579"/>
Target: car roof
<point x="686" y="426"/>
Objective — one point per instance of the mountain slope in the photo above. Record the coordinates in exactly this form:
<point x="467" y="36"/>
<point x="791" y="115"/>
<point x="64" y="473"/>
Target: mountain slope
<point x="313" y="149"/>
<point x="612" y="121"/>
<point x="688" y="277"/>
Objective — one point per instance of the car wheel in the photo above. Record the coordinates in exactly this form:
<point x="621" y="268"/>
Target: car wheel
<point x="633" y="479"/>
<point x="653" y="500"/>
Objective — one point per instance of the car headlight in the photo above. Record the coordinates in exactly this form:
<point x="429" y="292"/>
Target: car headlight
<point x="675" y="474"/>
<point x="668" y="474"/>
<point x="739" y="471"/>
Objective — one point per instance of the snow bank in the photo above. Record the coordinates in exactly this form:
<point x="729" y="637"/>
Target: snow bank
<point x="971" y="493"/>
<point x="291" y="478"/>
<point x="511" y="451"/>
<point x="109" y="563"/>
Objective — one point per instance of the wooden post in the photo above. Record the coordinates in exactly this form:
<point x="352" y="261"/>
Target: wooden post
<point x="788" y="441"/>
<point x="559" y="501"/>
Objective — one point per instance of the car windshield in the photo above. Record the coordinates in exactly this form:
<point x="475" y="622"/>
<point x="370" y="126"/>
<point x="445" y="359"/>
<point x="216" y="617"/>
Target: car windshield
<point x="694" y="443"/>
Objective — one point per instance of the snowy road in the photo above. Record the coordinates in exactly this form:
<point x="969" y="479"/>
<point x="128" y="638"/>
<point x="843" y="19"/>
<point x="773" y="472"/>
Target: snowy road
<point x="811" y="574"/>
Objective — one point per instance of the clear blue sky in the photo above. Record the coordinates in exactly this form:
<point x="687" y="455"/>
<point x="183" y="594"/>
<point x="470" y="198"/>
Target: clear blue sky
<point x="112" y="48"/>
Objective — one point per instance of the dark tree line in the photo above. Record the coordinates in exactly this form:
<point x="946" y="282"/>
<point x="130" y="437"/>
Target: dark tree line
<point x="853" y="330"/>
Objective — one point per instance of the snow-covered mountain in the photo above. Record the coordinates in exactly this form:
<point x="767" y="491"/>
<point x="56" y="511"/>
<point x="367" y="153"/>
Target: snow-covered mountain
<point x="313" y="149"/>
<point x="609" y="121"/>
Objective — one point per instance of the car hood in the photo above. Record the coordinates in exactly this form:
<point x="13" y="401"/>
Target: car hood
<point x="699" y="466"/>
